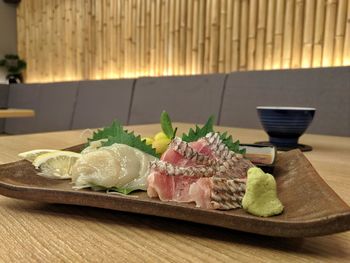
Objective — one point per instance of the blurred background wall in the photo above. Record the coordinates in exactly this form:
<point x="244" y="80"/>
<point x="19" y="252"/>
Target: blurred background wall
<point x="8" y="37"/>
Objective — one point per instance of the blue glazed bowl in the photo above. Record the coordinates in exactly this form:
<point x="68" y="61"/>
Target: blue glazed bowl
<point x="285" y="125"/>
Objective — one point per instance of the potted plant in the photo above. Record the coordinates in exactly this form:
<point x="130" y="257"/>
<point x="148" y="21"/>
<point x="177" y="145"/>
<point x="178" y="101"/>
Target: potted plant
<point x="14" y="66"/>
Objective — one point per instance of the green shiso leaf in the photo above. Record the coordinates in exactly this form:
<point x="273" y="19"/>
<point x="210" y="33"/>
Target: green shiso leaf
<point x="116" y="134"/>
<point x="194" y="135"/>
<point x="232" y="145"/>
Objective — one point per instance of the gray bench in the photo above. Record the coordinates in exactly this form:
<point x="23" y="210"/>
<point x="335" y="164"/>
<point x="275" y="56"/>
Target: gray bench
<point x="186" y="99"/>
<point x="100" y="102"/>
<point x="231" y="98"/>
<point x="53" y="104"/>
<point x="326" y="89"/>
<point x="4" y="93"/>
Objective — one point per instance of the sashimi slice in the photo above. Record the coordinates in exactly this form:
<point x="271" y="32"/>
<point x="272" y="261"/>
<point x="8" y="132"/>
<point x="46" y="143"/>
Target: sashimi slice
<point x="170" y="188"/>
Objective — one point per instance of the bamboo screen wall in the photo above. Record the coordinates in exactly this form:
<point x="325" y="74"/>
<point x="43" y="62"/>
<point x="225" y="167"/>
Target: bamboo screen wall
<point x="87" y="39"/>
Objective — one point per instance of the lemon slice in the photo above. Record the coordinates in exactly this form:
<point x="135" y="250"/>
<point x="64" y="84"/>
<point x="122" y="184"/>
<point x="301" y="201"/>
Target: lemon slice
<point x="31" y="155"/>
<point x="57" y="164"/>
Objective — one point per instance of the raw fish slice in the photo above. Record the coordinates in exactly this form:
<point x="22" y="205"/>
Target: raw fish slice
<point x="217" y="193"/>
<point x="170" y="188"/>
<point x="117" y="165"/>
<point x="209" y="163"/>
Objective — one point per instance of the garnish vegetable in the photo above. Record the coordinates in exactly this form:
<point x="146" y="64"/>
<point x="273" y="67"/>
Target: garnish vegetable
<point x="167" y="126"/>
<point x="194" y="135"/>
<point x="116" y="134"/>
<point x="162" y="139"/>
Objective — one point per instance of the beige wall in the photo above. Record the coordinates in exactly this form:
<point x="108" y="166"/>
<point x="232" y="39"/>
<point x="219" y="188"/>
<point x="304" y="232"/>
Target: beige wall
<point x="8" y="35"/>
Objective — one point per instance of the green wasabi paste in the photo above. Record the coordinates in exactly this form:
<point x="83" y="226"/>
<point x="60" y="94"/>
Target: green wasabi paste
<point x="260" y="198"/>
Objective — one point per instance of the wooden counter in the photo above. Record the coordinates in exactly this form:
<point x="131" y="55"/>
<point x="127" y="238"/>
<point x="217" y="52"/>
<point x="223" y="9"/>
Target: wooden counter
<point x="16" y="113"/>
<point x="33" y="232"/>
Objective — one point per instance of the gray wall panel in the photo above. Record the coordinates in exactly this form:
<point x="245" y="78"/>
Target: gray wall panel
<point x="101" y="102"/>
<point x="8" y="38"/>
<point x="327" y="89"/>
<point x="4" y="92"/>
<point x="186" y="99"/>
<point x="53" y="104"/>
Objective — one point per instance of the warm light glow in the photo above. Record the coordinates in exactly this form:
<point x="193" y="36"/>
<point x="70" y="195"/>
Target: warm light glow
<point x="124" y="40"/>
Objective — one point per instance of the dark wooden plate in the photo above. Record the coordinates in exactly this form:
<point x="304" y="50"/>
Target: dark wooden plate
<point x="312" y="208"/>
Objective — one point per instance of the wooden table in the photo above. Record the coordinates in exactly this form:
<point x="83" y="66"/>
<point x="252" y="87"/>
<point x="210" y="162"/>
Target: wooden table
<point x="33" y="232"/>
<point x="16" y="113"/>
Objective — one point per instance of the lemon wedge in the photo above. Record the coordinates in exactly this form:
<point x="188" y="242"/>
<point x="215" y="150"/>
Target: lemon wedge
<point x="31" y="155"/>
<point x="57" y="164"/>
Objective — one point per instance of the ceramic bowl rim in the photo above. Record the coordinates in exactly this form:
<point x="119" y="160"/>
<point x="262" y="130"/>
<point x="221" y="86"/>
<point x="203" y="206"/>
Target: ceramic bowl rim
<point x="285" y="108"/>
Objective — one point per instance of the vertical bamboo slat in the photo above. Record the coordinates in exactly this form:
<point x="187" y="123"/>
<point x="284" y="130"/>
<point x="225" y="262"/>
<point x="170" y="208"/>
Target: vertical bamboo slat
<point x="243" y="36"/>
<point x="328" y="48"/>
<point x="188" y="48"/>
<point x="269" y="34"/>
<point x="182" y="47"/>
<point x="278" y="35"/>
<point x="214" y="36"/>
<point x="339" y="32"/>
<point x="207" y="36"/>
<point x="288" y="34"/>
<point x="319" y="32"/>
<point x="236" y="40"/>
<point x="163" y="36"/>
<point x="298" y="33"/>
<point x="165" y="41"/>
<point x="171" y="37"/>
<point x="201" y="38"/>
<point x="194" y="37"/>
<point x="153" y="58"/>
<point x="253" y="6"/>
<point x="308" y="34"/>
<point x="131" y="38"/>
<point x="147" y="42"/>
<point x="260" y="37"/>
<point x="346" y="54"/>
<point x="222" y="23"/>
<point x="158" y="36"/>
<point x="228" y="36"/>
<point x="175" y="66"/>
<point x="105" y="40"/>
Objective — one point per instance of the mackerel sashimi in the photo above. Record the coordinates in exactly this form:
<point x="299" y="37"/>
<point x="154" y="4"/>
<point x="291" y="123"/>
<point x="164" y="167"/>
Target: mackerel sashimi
<point x="205" y="172"/>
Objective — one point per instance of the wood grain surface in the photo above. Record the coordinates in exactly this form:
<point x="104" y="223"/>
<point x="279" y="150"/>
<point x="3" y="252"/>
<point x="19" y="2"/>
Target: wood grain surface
<point x="39" y="232"/>
<point x="16" y="113"/>
<point x="137" y="38"/>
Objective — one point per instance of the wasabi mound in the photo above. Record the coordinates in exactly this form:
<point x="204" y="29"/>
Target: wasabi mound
<point x="260" y="198"/>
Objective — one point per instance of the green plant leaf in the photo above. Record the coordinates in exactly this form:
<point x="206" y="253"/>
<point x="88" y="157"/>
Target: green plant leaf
<point x="21" y="64"/>
<point x="166" y="125"/>
<point x="116" y="134"/>
<point x="13" y="64"/>
<point x="232" y="145"/>
<point x="194" y="135"/>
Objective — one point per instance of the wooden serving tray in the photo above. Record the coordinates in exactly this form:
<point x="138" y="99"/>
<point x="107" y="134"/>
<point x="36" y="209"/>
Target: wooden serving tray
<point x="312" y="208"/>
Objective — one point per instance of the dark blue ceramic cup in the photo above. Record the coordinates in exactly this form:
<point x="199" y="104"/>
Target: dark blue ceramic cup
<point x="285" y="125"/>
